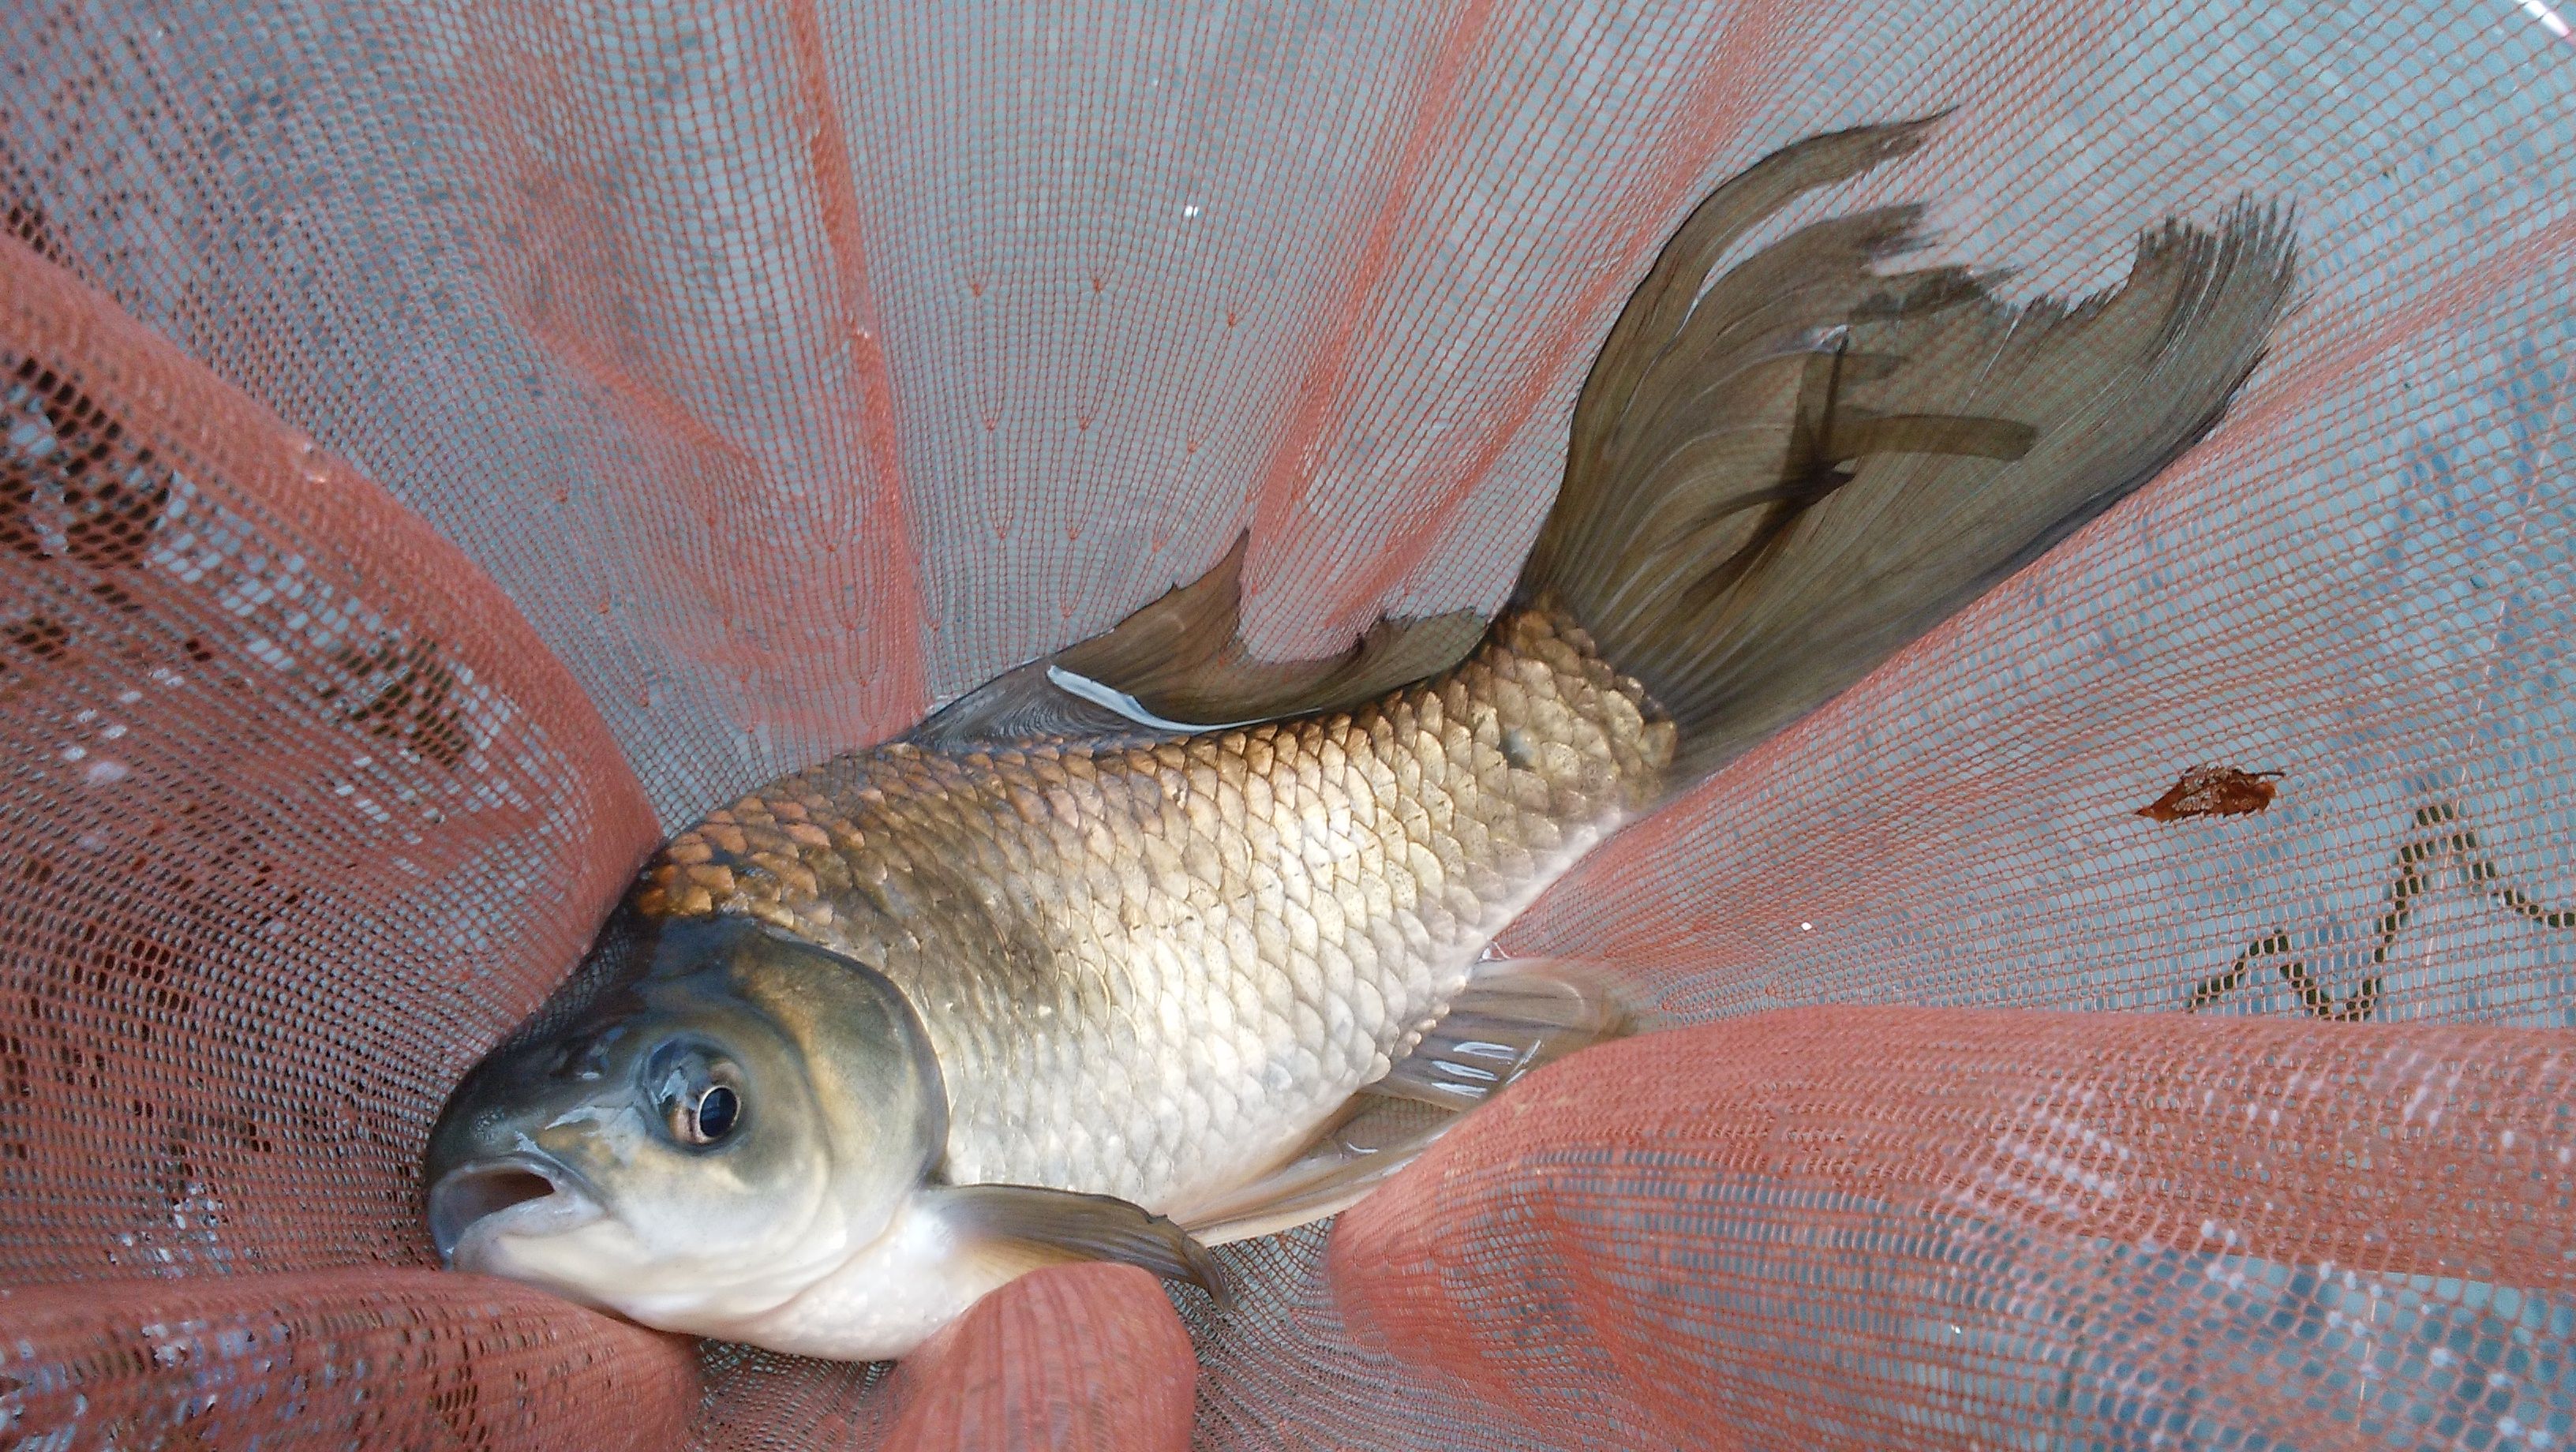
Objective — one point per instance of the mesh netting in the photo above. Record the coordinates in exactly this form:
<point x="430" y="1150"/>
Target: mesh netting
<point x="441" y="447"/>
<point x="332" y="1359"/>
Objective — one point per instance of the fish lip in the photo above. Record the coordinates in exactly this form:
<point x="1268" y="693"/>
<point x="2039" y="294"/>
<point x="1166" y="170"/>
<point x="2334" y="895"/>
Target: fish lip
<point x="480" y="1195"/>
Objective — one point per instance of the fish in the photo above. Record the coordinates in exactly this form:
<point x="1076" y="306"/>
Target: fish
<point x="1153" y="944"/>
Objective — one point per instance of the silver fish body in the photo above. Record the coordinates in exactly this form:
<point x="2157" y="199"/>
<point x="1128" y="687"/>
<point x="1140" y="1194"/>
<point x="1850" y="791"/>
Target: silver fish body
<point x="1150" y="969"/>
<point x="1050" y="980"/>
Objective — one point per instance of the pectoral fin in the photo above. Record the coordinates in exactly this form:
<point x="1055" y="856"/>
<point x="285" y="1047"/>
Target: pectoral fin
<point x="1035" y="1226"/>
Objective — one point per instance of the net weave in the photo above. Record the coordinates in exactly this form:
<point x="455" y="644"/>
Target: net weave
<point x="444" y="447"/>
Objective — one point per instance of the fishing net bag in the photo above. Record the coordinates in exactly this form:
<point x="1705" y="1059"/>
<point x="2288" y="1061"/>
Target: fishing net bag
<point x="444" y="447"/>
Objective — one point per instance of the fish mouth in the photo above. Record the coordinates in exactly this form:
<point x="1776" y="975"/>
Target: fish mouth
<point x="508" y="1194"/>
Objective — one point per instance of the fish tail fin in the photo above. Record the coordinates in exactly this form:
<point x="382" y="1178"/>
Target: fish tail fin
<point x="1778" y="479"/>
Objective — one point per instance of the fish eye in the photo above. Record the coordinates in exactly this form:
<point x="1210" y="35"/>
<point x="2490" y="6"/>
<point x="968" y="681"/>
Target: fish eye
<point x="711" y="1118"/>
<point x="701" y="1102"/>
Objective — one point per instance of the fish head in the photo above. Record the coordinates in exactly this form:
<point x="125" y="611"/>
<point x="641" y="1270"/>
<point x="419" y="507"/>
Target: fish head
<point x="705" y="1139"/>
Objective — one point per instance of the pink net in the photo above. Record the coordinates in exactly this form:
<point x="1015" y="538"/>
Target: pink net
<point x="442" y="449"/>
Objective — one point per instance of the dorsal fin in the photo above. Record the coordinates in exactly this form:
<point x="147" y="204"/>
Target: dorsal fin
<point x="1017" y="705"/>
<point x="1179" y="664"/>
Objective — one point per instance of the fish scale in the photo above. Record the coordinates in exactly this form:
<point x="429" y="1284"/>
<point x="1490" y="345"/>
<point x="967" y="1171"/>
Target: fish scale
<point x="1150" y="969"/>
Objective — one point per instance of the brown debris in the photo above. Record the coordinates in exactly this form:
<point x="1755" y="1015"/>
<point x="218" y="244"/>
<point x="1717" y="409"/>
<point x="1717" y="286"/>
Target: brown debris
<point x="2212" y="791"/>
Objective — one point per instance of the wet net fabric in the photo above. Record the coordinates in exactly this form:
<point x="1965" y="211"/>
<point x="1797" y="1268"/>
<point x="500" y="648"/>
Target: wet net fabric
<point x="443" y="447"/>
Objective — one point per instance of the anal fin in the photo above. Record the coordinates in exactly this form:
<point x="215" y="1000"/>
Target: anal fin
<point x="1513" y="1016"/>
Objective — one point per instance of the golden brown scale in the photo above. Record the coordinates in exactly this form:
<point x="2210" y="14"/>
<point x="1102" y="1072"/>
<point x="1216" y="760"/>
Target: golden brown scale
<point x="1151" y="968"/>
